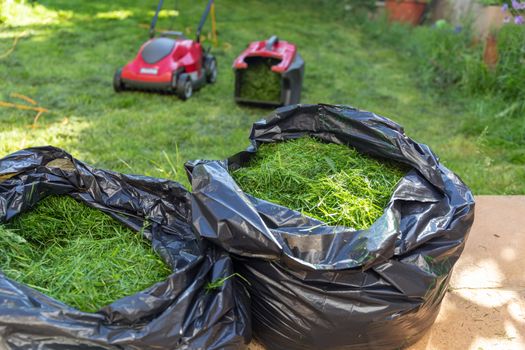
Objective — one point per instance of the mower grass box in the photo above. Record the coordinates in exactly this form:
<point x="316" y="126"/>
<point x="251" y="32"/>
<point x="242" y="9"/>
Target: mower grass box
<point x="258" y="82"/>
<point x="269" y="73"/>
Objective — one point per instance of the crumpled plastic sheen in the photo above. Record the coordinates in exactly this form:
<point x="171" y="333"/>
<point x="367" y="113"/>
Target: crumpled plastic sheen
<point x="177" y="313"/>
<point x="315" y="286"/>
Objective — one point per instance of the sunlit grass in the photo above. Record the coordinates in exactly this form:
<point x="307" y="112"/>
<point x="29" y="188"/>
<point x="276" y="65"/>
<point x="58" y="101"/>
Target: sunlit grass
<point x="23" y="13"/>
<point x="67" y="66"/>
<point x="120" y="14"/>
<point x="21" y="134"/>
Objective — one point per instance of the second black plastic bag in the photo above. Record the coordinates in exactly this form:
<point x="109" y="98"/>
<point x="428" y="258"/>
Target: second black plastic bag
<point x="315" y="286"/>
<point x="177" y="313"/>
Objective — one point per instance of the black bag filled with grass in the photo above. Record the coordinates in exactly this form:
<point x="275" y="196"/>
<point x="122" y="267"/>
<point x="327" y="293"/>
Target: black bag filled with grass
<point x="316" y="286"/>
<point x="184" y="292"/>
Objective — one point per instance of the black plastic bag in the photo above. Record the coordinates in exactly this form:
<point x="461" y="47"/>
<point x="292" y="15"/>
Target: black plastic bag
<point x="315" y="286"/>
<point x="177" y="313"/>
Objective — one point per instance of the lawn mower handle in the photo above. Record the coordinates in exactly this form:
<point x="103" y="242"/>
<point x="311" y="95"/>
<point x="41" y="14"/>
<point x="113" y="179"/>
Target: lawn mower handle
<point x="203" y="20"/>
<point x="270" y="43"/>
<point x="155" y="18"/>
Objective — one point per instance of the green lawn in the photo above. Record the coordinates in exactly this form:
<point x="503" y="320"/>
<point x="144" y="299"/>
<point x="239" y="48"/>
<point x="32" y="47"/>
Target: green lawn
<point x="70" y="50"/>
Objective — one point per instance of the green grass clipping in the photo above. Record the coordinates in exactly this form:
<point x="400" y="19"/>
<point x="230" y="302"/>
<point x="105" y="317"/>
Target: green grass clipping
<point x="260" y="83"/>
<point x="330" y="182"/>
<point x="77" y="255"/>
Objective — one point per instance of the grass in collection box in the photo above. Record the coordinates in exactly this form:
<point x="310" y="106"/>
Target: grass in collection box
<point x="77" y="254"/>
<point x="329" y="182"/>
<point x="260" y="83"/>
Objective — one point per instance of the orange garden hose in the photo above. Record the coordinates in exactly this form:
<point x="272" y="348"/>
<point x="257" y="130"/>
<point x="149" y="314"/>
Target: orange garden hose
<point x="12" y="48"/>
<point x="39" y="110"/>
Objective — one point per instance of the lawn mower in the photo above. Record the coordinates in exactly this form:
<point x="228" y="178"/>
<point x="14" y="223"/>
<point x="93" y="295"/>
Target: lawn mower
<point x="170" y="62"/>
<point x="269" y="73"/>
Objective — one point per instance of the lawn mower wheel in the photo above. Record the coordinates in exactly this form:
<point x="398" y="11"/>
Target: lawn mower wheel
<point x="184" y="87"/>
<point x="118" y="85"/>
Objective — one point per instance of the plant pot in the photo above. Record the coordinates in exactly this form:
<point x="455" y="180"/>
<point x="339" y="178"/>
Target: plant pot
<point x="490" y="53"/>
<point x="405" y="11"/>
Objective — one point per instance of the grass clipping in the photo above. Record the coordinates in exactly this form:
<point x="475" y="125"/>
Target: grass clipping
<point x="260" y="83"/>
<point x="326" y="181"/>
<point x="77" y="254"/>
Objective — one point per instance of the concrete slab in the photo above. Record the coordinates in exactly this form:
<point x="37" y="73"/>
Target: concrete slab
<point x="484" y="308"/>
<point x="494" y="256"/>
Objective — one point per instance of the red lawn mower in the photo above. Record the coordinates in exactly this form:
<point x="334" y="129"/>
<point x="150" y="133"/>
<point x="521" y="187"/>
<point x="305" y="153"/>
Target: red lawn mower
<point x="170" y="62"/>
<point x="285" y="64"/>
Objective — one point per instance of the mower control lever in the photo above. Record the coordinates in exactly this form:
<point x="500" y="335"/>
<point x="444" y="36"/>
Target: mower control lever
<point x="154" y="20"/>
<point x="203" y="19"/>
<point x="270" y="43"/>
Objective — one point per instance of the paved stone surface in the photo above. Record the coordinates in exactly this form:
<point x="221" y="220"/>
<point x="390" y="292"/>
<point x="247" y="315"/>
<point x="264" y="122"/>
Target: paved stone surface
<point x="485" y="306"/>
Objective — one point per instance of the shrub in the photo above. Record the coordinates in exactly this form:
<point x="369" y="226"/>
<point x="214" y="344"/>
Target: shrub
<point x="510" y="71"/>
<point x="450" y="60"/>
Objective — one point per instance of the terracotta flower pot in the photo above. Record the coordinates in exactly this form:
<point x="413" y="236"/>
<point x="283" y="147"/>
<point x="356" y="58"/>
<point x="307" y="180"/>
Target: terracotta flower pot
<point x="406" y="11"/>
<point x="490" y="53"/>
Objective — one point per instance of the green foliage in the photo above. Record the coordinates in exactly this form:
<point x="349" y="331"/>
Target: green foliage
<point x="505" y="84"/>
<point x="451" y="62"/>
<point x="510" y="71"/>
<point x="437" y="53"/>
<point x="77" y="254"/>
<point x="507" y="79"/>
<point x="218" y="283"/>
<point x="359" y="7"/>
<point x="329" y="182"/>
<point x="444" y="57"/>
<point x="492" y="2"/>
